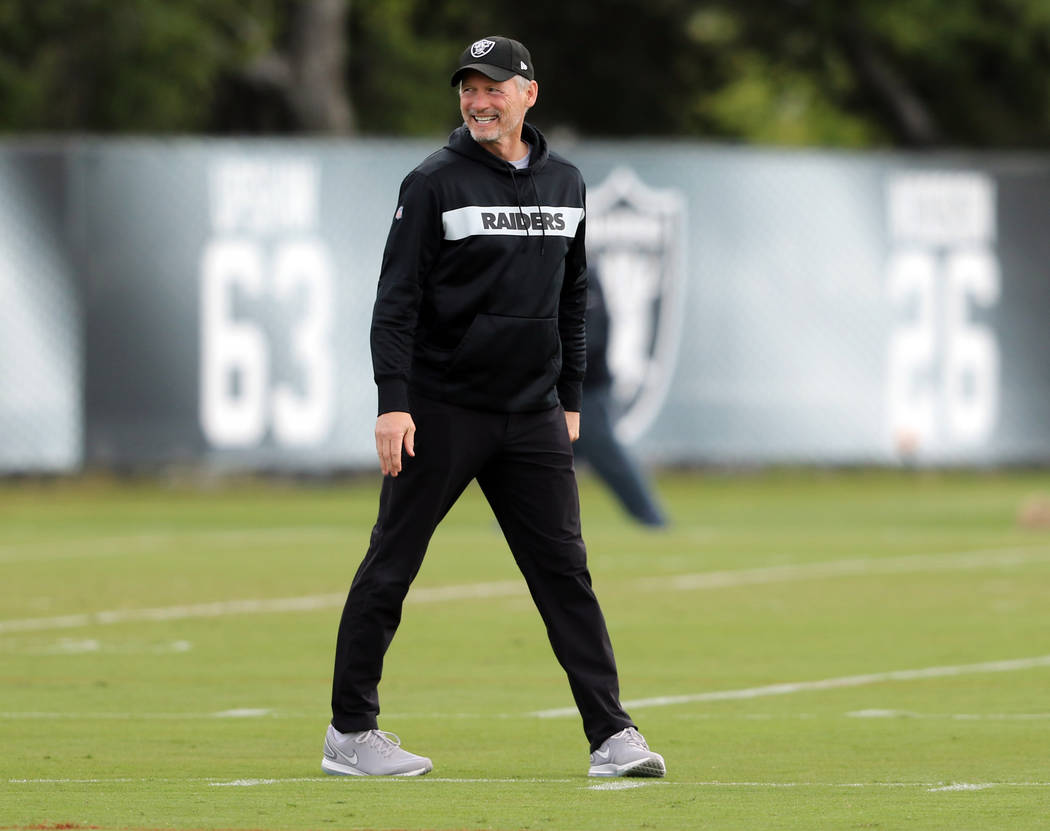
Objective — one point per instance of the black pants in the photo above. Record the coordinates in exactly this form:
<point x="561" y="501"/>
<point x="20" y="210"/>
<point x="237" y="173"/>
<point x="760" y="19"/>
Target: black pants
<point x="524" y="465"/>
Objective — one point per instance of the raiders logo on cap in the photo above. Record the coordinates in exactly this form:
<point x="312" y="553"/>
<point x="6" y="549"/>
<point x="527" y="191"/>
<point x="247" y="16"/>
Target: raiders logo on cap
<point x="496" y="57"/>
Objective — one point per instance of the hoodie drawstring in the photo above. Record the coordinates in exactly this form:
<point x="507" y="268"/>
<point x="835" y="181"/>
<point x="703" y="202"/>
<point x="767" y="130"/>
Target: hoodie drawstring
<point x="539" y="212"/>
<point x="517" y="198"/>
<point x="521" y="212"/>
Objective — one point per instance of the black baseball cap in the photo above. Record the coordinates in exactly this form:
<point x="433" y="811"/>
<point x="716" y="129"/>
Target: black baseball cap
<point x="496" y="57"/>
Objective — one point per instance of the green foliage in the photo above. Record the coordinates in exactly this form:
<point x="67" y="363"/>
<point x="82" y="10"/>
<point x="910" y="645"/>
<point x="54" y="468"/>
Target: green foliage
<point x="882" y="72"/>
<point x="782" y="106"/>
<point x="122" y="65"/>
<point x="399" y="68"/>
<point x="846" y="73"/>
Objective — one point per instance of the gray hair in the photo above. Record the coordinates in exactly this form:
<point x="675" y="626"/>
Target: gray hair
<point x="520" y="80"/>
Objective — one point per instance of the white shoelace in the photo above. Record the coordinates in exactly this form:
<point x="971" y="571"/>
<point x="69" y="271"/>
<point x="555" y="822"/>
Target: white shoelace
<point x="380" y="741"/>
<point x="632" y="737"/>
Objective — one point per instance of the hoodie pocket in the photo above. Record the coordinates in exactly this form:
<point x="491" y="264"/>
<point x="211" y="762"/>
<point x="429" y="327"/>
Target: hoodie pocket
<point x="507" y="360"/>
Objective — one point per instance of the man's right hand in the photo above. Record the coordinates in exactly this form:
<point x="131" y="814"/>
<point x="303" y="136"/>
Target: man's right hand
<point x="394" y="431"/>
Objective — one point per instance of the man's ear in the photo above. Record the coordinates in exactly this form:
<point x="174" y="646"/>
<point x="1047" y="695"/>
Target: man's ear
<point x="531" y="93"/>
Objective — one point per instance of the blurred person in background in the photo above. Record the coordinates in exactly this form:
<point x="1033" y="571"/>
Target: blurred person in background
<point x="478" y="351"/>
<point x="598" y="444"/>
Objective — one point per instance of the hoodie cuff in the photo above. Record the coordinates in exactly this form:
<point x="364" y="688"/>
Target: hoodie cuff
<point x="393" y="396"/>
<point x="571" y="395"/>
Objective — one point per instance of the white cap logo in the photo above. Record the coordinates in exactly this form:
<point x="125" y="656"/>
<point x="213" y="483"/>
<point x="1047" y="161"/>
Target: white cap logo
<point x="481" y="48"/>
<point x="524" y="65"/>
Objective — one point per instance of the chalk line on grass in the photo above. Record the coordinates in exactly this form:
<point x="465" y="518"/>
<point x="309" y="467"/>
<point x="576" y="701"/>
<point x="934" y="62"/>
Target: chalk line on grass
<point x="218" y="608"/>
<point x="227" y="608"/>
<point x="251" y="783"/>
<point x="909" y="714"/>
<point x="1013" y="665"/>
<point x="66" y="715"/>
<point x="161" y="540"/>
<point x="512" y="588"/>
<point x="266" y="713"/>
<point x="794" y="572"/>
<point x="842" y="682"/>
<point x="243" y="712"/>
<point x="86" y="646"/>
<point x="963" y="786"/>
<point x="620" y="784"/>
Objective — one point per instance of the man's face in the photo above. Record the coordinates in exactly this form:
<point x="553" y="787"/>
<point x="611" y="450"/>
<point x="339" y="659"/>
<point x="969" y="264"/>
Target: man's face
<point x="494" y="110"/>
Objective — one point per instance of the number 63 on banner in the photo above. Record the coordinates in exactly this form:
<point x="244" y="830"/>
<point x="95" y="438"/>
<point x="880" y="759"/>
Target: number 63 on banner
<point x="240" y="399"/>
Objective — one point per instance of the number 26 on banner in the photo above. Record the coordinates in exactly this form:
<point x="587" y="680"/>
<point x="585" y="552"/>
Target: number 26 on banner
<point x="944" y="366"/>
<point x="239" y="396"/>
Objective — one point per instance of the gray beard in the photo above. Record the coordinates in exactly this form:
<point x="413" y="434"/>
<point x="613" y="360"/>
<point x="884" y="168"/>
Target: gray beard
<point x="481" y="139"/>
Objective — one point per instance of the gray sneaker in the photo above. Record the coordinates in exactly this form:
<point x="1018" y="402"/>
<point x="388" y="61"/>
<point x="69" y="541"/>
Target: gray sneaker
<point x="370" y="753"/>
<point x="626" y="754"/>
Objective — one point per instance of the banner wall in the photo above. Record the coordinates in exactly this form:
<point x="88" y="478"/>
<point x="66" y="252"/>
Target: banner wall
<point x="41" y="414"/>
<point x="208" y="302"/>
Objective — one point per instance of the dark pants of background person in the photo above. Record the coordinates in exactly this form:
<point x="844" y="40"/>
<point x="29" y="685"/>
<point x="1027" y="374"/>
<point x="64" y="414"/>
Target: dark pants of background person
<point x="524" y="465"/>
<point x="601" y="449"/>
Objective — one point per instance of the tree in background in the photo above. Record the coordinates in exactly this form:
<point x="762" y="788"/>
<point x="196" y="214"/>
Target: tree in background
<point x="918" y="73"/>
<point x="124" y="66"/>
<point x="184" y="66"/>
<point x="298" y="85"/>
<point x="848" y="73"/>
<point x="845" y="73"/>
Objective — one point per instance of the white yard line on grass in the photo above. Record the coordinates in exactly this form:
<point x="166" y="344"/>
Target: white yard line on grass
<point x="908" y="714"/>
<point x="588" y="784"/>
<point x="147" y="542"/>
<point x="619" y="785"/>
<point x="218" y="608"/>
<point x="909" y="564"/>
<point x="512" y="588"/>
<point x="1013" y="665"/>
<point x="230" y="608"/>
<point x="266" y="713"/>
<point x="67" y="715"/>
<point x="963" y="786"/>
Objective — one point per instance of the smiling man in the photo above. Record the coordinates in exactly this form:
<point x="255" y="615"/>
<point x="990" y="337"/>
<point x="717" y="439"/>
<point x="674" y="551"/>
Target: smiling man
<point x="478" y="352"/>
<point x="494" y="110"/>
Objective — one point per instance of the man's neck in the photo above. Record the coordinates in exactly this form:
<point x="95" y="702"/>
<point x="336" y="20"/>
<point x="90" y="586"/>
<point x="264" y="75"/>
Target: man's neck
<point x="510" y="149"/>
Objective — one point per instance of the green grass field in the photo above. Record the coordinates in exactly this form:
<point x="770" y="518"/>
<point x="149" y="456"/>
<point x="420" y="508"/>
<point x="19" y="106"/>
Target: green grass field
<point x="808" y="650"/>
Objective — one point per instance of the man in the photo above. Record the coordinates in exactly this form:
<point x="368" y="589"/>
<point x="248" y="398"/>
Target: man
<point x="478" y="351"/>
<point x="598" y="444"/>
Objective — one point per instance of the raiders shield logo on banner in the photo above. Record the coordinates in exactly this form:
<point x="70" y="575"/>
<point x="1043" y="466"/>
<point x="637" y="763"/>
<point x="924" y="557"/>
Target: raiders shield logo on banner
<point x="636" y="241"/>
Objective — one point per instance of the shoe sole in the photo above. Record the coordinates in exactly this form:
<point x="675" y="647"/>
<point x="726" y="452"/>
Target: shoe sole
<point x="641" y="768"/>
<point x="336" y="769"/>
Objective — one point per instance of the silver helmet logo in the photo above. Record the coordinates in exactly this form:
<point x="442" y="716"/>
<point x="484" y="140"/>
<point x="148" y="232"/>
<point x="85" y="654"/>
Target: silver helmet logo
<point x="636" y="240"/>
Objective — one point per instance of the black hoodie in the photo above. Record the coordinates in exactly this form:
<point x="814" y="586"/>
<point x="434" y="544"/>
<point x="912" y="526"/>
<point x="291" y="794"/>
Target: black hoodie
<point x="483" y="287"/>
